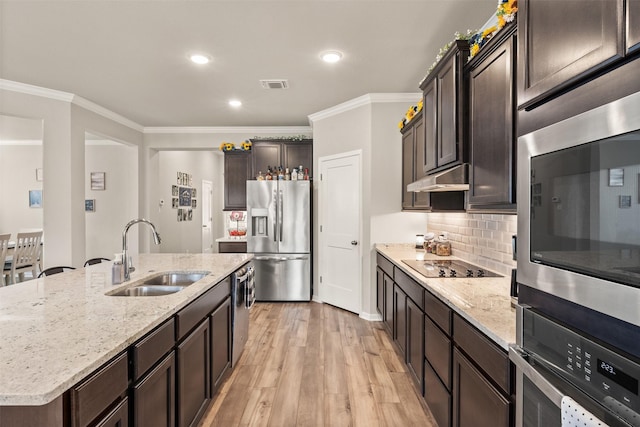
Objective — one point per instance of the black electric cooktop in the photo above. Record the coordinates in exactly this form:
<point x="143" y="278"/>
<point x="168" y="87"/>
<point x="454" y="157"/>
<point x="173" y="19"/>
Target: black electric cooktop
<point x="448" y="268"/>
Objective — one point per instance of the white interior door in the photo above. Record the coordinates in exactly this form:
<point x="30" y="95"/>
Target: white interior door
<point x="207" y="220"/>
<point x="340" y="260"/>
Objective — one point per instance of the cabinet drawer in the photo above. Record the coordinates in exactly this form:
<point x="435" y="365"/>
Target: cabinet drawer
<point x="94" y="395"/>
<point x="438" y="311"/>
<point x="191" y="315"/>
<point x="232" y="247"/>
<point x="492" y="360"/>
<point x="437" y="350"/>
<point x="150" y="349"/>
<point x="437" y="397"/>
<point x="410" y="287"/>
<point x="385" y="265"/>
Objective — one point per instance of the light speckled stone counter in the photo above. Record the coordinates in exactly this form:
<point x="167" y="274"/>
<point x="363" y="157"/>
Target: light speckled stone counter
<point x="56" y="330"/>
<point x="484" y="302"/>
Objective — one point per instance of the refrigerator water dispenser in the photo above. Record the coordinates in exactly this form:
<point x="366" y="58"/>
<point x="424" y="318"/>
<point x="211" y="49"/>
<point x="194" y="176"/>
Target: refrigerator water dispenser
<point x="259" y="217"/>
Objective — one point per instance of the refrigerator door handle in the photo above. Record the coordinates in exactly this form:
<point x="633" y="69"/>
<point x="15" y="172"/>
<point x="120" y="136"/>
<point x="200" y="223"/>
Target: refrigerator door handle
<point x="281" y="216"/>
<point x="275" y="223"/>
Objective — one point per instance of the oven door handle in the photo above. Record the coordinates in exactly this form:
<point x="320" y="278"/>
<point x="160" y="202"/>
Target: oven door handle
<point x="552" y="393"/>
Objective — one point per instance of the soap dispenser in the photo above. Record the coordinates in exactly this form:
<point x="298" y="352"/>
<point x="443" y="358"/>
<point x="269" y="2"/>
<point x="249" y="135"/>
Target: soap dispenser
<point x="117" y="270"/>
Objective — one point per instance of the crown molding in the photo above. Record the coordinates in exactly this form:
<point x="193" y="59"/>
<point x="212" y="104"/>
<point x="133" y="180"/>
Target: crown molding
<point x="93" y="107"/>
<point x="252" y="130"/>
<point x="368" y="99"/>
<point x="71" y="98"/>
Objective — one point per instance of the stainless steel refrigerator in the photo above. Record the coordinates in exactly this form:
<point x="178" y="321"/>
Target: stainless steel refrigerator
<point x="279" y="234"/>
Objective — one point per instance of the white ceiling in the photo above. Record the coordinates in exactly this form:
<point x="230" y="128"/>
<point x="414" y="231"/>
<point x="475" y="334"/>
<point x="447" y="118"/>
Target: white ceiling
<point x="131" y="56"/>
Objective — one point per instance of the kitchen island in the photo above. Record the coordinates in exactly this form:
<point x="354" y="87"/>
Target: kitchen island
<point x="57" y="330"/>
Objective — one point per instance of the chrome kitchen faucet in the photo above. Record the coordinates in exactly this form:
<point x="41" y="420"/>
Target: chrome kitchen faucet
<point x="128" y="268"/>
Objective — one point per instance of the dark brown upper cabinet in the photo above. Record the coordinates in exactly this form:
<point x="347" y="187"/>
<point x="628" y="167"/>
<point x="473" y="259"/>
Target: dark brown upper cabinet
<point x="492" y="119"/>
<point x="288" y="154"/>
<point x="237" y="169"/>
<point x="560" y="43"/>
<point x="413" y="146"/>
<point x="633" y="25"/>
<point x="445" y="106"/>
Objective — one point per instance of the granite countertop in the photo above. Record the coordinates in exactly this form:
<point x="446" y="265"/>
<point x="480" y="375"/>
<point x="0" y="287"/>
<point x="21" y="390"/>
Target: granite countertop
<point x="484" y="302"/>
<point x="56" y="330"/>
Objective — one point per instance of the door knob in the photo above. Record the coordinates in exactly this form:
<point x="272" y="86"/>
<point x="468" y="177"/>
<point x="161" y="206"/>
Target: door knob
<point x="354" y="242"/>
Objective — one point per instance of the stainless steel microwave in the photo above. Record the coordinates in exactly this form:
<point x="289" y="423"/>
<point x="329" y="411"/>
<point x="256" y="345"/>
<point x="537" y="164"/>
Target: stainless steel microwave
<point x="579" y="209"/>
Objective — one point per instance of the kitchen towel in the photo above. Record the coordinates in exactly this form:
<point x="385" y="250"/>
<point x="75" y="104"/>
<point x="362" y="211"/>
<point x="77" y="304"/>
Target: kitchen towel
<point x="574" y="415"/>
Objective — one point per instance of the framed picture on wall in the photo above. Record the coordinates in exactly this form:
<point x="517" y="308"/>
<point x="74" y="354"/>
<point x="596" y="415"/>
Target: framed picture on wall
<point x="174" y="203"/>
<point x="90" y="205"/>
<point x="97" y="180"/>
<point x="35" y="198"/>
<point x="185" y="196"/>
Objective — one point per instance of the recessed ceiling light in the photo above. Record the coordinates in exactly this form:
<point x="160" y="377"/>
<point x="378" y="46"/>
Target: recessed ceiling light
<point x="235" y="103"/>
<point x="200" y="59"/>
<point x="331" y="56"/>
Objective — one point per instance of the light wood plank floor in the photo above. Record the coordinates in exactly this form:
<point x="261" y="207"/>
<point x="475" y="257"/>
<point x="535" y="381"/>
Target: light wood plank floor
<point x="310" y="364"/>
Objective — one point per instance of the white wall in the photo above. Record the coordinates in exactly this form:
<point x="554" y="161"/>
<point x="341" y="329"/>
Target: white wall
<point x="184" y="236"/>
<point x="18" y="163"/>
<point x="369" y="123"/>
<point x="117" y="203"/>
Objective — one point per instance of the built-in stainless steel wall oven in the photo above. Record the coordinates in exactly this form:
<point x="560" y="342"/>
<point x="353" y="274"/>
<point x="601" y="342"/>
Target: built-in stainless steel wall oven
<point x="578" y="336"/>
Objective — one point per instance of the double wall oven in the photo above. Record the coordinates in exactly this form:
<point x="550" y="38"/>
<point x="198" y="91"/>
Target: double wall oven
<point x="578" y="346"/>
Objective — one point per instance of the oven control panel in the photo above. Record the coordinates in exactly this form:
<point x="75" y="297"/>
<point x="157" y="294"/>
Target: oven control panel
<point x="608" y="376"/>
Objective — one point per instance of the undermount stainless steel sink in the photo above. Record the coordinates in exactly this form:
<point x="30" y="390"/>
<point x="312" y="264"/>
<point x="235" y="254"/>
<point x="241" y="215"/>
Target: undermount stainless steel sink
<point x="161" y="284"/>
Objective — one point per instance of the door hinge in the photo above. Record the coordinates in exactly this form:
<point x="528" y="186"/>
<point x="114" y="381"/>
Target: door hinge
<point x="320" y="177"/>
<point x="320" y="279"/>
<point x="321" y="229"/>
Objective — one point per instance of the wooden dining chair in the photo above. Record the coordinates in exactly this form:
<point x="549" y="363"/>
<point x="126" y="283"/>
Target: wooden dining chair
<point x="93" y="261"/>
<point x="4" y="247"/>
<point x="25" y="257"/>
<point x="54" y="270"/>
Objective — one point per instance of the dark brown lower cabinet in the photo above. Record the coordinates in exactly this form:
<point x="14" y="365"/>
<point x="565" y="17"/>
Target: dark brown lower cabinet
<point x="118" y="417"/>
<point x="437" y="396"/>
<point x="387" y="315"/>
<point x="380" y="291"/>
<point x="220" y="344"/>
<point x="415" y="343"/>
<point x="154" y="396"/>
<point x="476" y="402"/>
<point x="400" y="319"/>
<point x="194" y="390"/>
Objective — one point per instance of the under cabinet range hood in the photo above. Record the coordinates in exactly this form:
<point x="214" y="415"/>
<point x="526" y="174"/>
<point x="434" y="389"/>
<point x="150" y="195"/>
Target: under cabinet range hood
<point x="454" y="179"/>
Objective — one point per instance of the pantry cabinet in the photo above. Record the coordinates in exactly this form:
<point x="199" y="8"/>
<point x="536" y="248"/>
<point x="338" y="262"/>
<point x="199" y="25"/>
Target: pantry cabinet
<point x="492" y="122"/>
<point x="562" y="42"/>
<point x="444" y="98"/>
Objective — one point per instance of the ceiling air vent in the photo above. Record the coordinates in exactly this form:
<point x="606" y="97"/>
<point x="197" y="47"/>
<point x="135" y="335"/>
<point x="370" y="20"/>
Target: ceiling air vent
<point x="275" y="84"/>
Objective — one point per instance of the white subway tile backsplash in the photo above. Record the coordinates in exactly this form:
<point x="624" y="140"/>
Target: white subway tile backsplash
<point x="483" y="239"/>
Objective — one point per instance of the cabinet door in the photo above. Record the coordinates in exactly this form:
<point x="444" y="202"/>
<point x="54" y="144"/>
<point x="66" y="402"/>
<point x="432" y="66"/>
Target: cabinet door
<point x="387" y="315"/>
<point x="491" y="124"/>
<point x="420" y="200"/>
<point x="633" y="25"/>
<point x="561" y="41"/>
<point x="380" y="291"/>
<point x="236" y="173"/>
<point x="437" y="396"/>
<point x="400" y="319"/>
<point x="430" y="115"/>
<point x="407" y="168"/>
<point x="415" y="343"/>
<point x="476" y="403"/>
<point x="118" y="417"/>
<point x="154" y="399"/>
<point x="220" y="343"/>
<point x="265" y="154"/>
<point x="447" y="151"/>
<point x="296" y="154"/>
<point x="193" y="375"/>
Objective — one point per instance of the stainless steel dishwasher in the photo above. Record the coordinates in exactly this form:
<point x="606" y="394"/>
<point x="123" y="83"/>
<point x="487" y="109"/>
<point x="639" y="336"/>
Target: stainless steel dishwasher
<point x="243" y="296"/>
